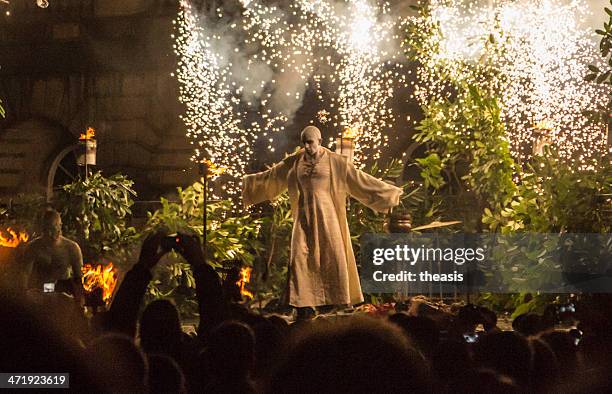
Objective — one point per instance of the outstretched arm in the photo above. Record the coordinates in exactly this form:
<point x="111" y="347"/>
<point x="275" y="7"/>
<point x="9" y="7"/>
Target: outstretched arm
<point x="265" y="185"/>
<point x="372" y="192"/>
<point x="209" y="292"/>
<point x="123" y="313"/>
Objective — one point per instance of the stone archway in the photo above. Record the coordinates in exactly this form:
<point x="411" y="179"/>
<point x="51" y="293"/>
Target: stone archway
<point x="26" y="151"/>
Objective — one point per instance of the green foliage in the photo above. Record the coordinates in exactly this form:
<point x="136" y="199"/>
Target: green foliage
<point x="469" y="130"/>
<point x="466" y="143"/>
<point x="605" y="47"/>
<point x="431" y="171"/>
<point x="276" y="236"/>
<point x="468" y="161"/>
<point x="517" y="303"/>
<point x="228" y="238"/>
<point x="96" y="210"/>
<point x="23" y="213"/>
<point x="603" y="75"/>
<point x="555" y="197"/>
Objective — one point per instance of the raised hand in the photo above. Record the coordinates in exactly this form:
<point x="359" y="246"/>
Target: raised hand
<point x="191" y="249"/>
<point x="151" y="251"/>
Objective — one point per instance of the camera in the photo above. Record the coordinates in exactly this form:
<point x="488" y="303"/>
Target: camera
<point x="576" y="335"/>
<point x="172" y="242"/>
<point x="470" y="337"/>
<point x="565" y="312"/>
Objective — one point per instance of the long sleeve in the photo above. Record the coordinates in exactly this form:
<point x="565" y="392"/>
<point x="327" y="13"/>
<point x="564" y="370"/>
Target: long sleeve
<point x="370" y="191"/>
<point x="265" y="185"/>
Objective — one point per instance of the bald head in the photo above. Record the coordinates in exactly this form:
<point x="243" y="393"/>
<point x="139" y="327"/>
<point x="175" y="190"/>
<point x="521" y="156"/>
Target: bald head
<point x="51" y="224"/>
<point x="311" y="139"/>
<point x="310" y="132"/>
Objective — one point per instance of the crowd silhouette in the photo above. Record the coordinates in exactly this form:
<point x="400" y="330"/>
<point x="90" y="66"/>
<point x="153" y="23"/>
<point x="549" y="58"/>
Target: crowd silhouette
<point x="129" y="349"/>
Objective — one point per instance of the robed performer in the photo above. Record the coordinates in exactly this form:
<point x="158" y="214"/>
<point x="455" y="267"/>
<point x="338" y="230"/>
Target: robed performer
<point x="322" y="269"/>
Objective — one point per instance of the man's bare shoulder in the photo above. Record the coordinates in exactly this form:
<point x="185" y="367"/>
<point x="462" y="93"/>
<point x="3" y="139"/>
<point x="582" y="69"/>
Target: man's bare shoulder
<point x="68" y="243"/>
<point x="35" y="243"/>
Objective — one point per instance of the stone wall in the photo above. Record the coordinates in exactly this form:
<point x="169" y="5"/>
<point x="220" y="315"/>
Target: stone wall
<point x="104" y="64"/>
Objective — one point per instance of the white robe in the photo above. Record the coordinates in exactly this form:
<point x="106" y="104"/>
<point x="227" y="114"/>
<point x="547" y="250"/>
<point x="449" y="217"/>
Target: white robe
<point x="313" y="281"/>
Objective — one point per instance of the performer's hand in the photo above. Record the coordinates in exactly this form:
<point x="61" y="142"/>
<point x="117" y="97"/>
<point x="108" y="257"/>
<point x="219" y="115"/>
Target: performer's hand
<point x="151" y="251"/>
<point x="192" y="249"/>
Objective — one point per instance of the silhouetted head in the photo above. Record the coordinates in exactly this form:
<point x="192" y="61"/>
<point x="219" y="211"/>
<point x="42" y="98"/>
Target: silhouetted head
<point x="484" y="381"/>
<point x="311" y="139"/>
<point x="421" y="330"/>
<point x="119" y="363"/>
<point x="165" y="375"/>
<point x="545" y="371"/>
<point x="32" y="343"/>
<point x="160" y="328"/>
<point x="506" y="352"/>
<point x="564" y="347"/>
<point x="528" y="324"/>
<point x="359" y="355"/>
<point x="231" y="350"/>
<point x="450" y="360"/>
<point x="51" y="224"/>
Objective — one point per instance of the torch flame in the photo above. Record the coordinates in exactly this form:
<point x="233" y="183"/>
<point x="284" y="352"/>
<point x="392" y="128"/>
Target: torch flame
<point x="351" y="132"/>
<point x="544" y="125"/>
<point x="214" y="170"/>
<point x="104" y="277"/>
<point x="245" y="277"/>
<point x="13" y="239"/>
<point x="89" y="134"/>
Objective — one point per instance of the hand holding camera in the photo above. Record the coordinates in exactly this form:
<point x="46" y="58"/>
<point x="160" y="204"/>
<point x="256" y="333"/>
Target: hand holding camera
<point x="158" y="244"/>
<point x="151" y="250"/>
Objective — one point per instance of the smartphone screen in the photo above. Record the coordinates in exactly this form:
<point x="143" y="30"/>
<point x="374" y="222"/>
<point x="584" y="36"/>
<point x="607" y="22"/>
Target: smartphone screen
<point x="49" y="287"/>
<point x="470" y="337"/>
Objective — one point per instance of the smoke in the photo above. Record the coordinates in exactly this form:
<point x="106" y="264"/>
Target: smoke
<point x="281" y="85"/>
<point x="281" y="88"/>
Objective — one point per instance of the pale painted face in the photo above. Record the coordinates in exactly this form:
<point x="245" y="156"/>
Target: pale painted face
<point x="311" y="144"/>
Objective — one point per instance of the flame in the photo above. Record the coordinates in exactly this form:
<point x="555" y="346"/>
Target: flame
<point x="544" y="125"/>
<point x="351" y="132"/>
<point x="245" y="277"/>
<point x="89" y="134"/>
<point x="214" y="170"/>
<point x="14" y="239"/>
<point x="104" y="277"/>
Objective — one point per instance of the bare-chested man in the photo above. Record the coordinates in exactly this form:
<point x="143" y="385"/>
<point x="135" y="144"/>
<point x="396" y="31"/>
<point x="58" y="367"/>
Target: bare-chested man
<point x="52" y="257"/>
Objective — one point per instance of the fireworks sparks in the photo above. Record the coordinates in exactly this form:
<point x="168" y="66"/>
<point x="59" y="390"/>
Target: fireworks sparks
<point x="243" y="79"/>
<point x="323" y="116"/>
<point x="534" y="55"/>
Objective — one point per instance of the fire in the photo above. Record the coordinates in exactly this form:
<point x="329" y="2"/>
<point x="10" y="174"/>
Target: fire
<point x="13" y="239"/>
<point x="351" y="132"/>
<point x="89" y="134"/>
<point x="545" y="125"/>
<point x="104" y="277"/>
<point x="214" y="170"/>
<point x="245" y="277"/>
